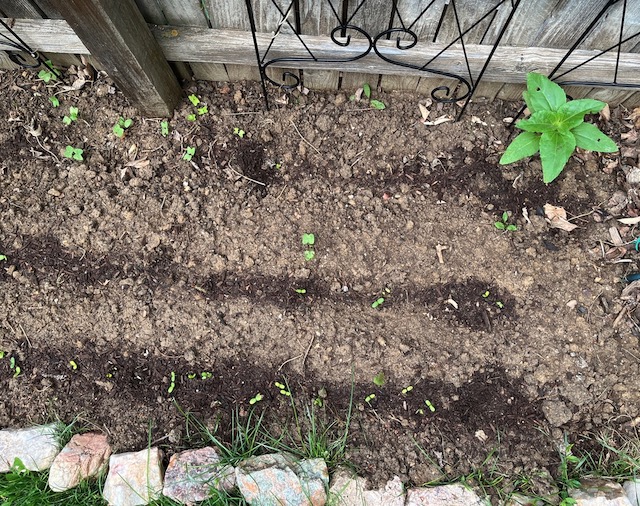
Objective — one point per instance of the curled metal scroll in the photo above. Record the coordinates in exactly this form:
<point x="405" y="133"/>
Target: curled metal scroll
<point x="343" y="29"/>
<point x="19" y="45"/>
<point x="463" y="84"/>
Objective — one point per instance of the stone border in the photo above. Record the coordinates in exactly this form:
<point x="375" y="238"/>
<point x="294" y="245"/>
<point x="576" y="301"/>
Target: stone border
<point x="137" y="478"/>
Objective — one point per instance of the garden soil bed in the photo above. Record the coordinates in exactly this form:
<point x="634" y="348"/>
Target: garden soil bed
<point x="136" y="263"/>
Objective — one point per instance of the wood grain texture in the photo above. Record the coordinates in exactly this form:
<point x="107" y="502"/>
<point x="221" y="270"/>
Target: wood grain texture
<point x="119" y="38"/>
<point x="21" y="9"/>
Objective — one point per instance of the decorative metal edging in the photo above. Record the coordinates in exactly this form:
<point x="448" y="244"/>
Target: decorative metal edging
<point x="20" y="45"/>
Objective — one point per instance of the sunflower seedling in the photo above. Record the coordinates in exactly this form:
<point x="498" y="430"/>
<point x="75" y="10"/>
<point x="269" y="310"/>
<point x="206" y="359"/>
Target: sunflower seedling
<point x="121" y="126"/>
<point x="14" y="367"/>
<point x="283" y="389"/>
<point x="239" y="132"/>
<point x="73" y="116"/>
<point x="54" y="101"/>
<point x="172" y="385"/>
<point x="301" y="291"/>
<point x="206" y="375"/>
<point x="164" y="128"/>
<point x="74" y="153"/>
<point x="258" y="397"/>
<point x="377" y="303"/>
<point x="503" y="223"/>
<point x="366" y="91"/>
<point x="369" y="398"/>
<point x="555" y="128"/>
<point x="189" y="153"/>
<point x="407" y="389"/>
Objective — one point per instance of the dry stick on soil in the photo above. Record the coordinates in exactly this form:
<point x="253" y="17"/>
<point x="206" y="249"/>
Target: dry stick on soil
<point x="306" y="353"/>
<point x="246" y="177"/>
<point x="439" y="249"/>
<point x="289" y="360"/>
<point x="305" y="140"/>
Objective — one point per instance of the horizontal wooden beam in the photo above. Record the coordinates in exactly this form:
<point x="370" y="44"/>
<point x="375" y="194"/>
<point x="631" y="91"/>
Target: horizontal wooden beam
<point x="195" y="44"/>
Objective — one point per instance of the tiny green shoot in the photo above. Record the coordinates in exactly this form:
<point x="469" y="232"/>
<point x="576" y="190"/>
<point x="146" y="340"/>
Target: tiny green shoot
<point x="73" y="116"/>
<point x="486" y="294"/>
<point x="369" y="398"/>
<point x="164" y="128"/>
<point x="172" y="385"/>
<point x="239" y="132"/>
<point x="191" y="117"/>
<point x="194" y="100"/>
<point x="431" y="407"/>
<point x="74" y="153"/>
<point x="3" y="257"/>
<point x="377" y="104"/>
<point x="407" y="389"/>
<point x="73" y="365"/>
<point x="500" y="304"/>
<point x="47" y="74"/>
<point x="14" y="367"/>
<point x="206" y="375"/>
<point x="377" y="303"/>
<point x="191" y="375"/>
<point x="283" y="389"/>
<point x="308" y="239"/>
<point x="189" y="153"/>
<point x="379" y="379"/>
<point x="503" y="223"/>
<point x="258" y="397"/>
<point x="318" y="402"/>
<point x="2" y="354"/>
<point x="121" y="126"/>
<point x="54" y="101"/>
<point x="203" y="110"/>
<point x="301" y="291"/>
<point x="309" y="255"/>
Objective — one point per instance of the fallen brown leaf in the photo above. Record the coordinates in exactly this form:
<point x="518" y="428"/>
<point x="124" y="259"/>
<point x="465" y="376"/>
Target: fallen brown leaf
<point x="557" y="218"/>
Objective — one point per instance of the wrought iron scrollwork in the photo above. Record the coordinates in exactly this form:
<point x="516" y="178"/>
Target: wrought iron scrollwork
<point x="17" y="44"/>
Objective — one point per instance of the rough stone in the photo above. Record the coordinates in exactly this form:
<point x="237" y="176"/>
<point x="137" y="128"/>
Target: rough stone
<point x="598" y="492"/>
<point x="84" y="455"/>
<point x="556" y="412"/>
<point x="134" y="478"/>
<point x="192" y="474"/>
<point x="632" y="489"/>
<point x="445" y="495"/>
<point x="349" y="490"/>
<point x="276" y="479"/>
<point x="36" y="447"/>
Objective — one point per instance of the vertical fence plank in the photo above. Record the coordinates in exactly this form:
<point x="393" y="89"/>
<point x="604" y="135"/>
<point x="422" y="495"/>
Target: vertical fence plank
<point x="119" y="38"/>
<point x="317" y="18"/>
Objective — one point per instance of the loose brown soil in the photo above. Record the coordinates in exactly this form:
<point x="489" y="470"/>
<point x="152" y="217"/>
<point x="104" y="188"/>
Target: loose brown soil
<point x="136" y="263"/>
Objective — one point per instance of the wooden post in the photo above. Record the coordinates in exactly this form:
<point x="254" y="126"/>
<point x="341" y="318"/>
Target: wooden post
<point x="115" y="33"/>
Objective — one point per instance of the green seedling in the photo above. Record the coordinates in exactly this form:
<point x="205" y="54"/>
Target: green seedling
<point x="503" y="224"/>
<point x="379" y="379"/>
<point x="48" y="74"/>
<point x="203" y="110"/>
<point x="164" y="128"/>
<point x="191" y="117"/>
<point x="2" y="353"/>
<point x="309" y="241"/>
<point x="74" y="153"/>
<point x="258" y="397"/>
<point x="486" y="294"/>
<point x="172" y="385"/>
<point x="278" y="166"/>
<point x="377" y="104"/>
<point x="431" y="407"/>
<point x="318" y="402"/>
<point x="301" y="291"/>
<point x="192" y="375"/>
<point x="205" y="375"/>
<point x="189" y="153"/>
<point x="73" y="116"/>
<point x="500" y="304"/>
<point x="14" y="367"/>
<point x="73" y="365"/>
<point x="3" y="258"/>
<point x="407" y="389"/>
<point x="54" y="101"/>
<point x="555" y="128"/>
<point x="194" y="100"/>
<point x="239" y="132"/>
<point x="377" y="303"/>
<point x="366" y="91"/>
<point x="309" y="255"/>
<point x="283" y="389"/>
<point x="369" y="398"/>
<point x="121" y="126"/>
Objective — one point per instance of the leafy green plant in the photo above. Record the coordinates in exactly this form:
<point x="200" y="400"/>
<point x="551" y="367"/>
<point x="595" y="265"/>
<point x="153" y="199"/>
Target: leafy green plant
<point x="239" y="132"/>
<point x="73" y="116"/>
<point x="74" y="153"/>
<point x="172" y="384"/>
<point x="189" y="153"/>
<point x="55" y="102"/>
<point x="203" y="110"/>
<point x="284" y="390"/>
<point x="205" y="375"/>
<point x="257" y="398"/>
<point x="194" y="100"/>
<point x="121" y="126"/>
<point x="191" y="117"/>
<point x="3" y="258"/>
<point x="309" y="241"/>
<point x="555" y="128"/>
<point x="503" y="224"/>
<point x="48" y="74"/>
<point x="377" y="303"/>
<point x="379" y="379"/>
<point x="164" y="128"/>
<point x="366" y="91"/>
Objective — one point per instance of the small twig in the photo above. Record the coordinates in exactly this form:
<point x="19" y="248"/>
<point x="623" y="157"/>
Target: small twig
<point x="289" y="360"/>
<point x="54" y="156"/>
<point x="280" y="194"/>
<point x="305" y="140"/>
<point x="25" y="335"/>
<point x="246" y="177"/>
<point x="620" y="316"/>
<point x="239" y="113"/>
<point x="313" y="337"/>
<point x="439" y="250"/>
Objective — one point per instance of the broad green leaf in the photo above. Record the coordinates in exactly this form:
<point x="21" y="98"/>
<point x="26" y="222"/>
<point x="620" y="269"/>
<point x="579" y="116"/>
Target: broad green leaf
<point x="526" y="144"/>
<point x="308" y="239"/>
<point x="379" y="379"/>
<point x="499" y="225"/>
<point x="544" y="94"/>
<point x="377" y="104"/>
<point x="590" y="137"/>
<point x="555" y="150"/>
<point x="573" y="112"/>
<point x="528" y="101"/>
<point x="541" y="121"/>
<point x="512" y="228"/>
<point x="366" y="89"/>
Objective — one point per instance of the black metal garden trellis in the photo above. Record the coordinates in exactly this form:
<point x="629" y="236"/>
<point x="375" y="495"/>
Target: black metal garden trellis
<point x="14" y="42"/>
<point x="399" y="29"/>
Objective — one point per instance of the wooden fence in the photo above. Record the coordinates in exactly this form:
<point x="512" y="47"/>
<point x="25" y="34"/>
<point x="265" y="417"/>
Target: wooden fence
<point x="211" y="39"/>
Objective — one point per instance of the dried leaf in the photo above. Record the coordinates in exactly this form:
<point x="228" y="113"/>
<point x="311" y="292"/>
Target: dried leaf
<point x="475" y="119"/>
<point x="630" y="221"/>
<point x="358" y="94"/>
<point x="629" y="137"/>
<point x="138" y="164"/>
<point x="424" y="112"/>
<point x="616" y="239"/>
<point x="438" y="121"/>
<point x="557" y="218"/>
<point x="283" y="100"/>
<point x="508" y="119"/>
<point x="635" y="117"/>
<point x="605" y="113"/>
<point x="34" y="128"/>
